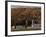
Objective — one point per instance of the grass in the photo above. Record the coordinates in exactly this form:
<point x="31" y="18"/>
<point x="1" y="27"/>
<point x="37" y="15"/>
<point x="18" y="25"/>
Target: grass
<point x="26" y="29"/>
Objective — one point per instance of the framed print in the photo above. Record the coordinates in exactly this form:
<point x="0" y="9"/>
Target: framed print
<point x="24" y="18"/>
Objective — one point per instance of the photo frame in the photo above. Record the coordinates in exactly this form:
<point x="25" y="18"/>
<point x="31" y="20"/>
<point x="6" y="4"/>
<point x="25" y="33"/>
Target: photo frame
<point x="32" y="12"/>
